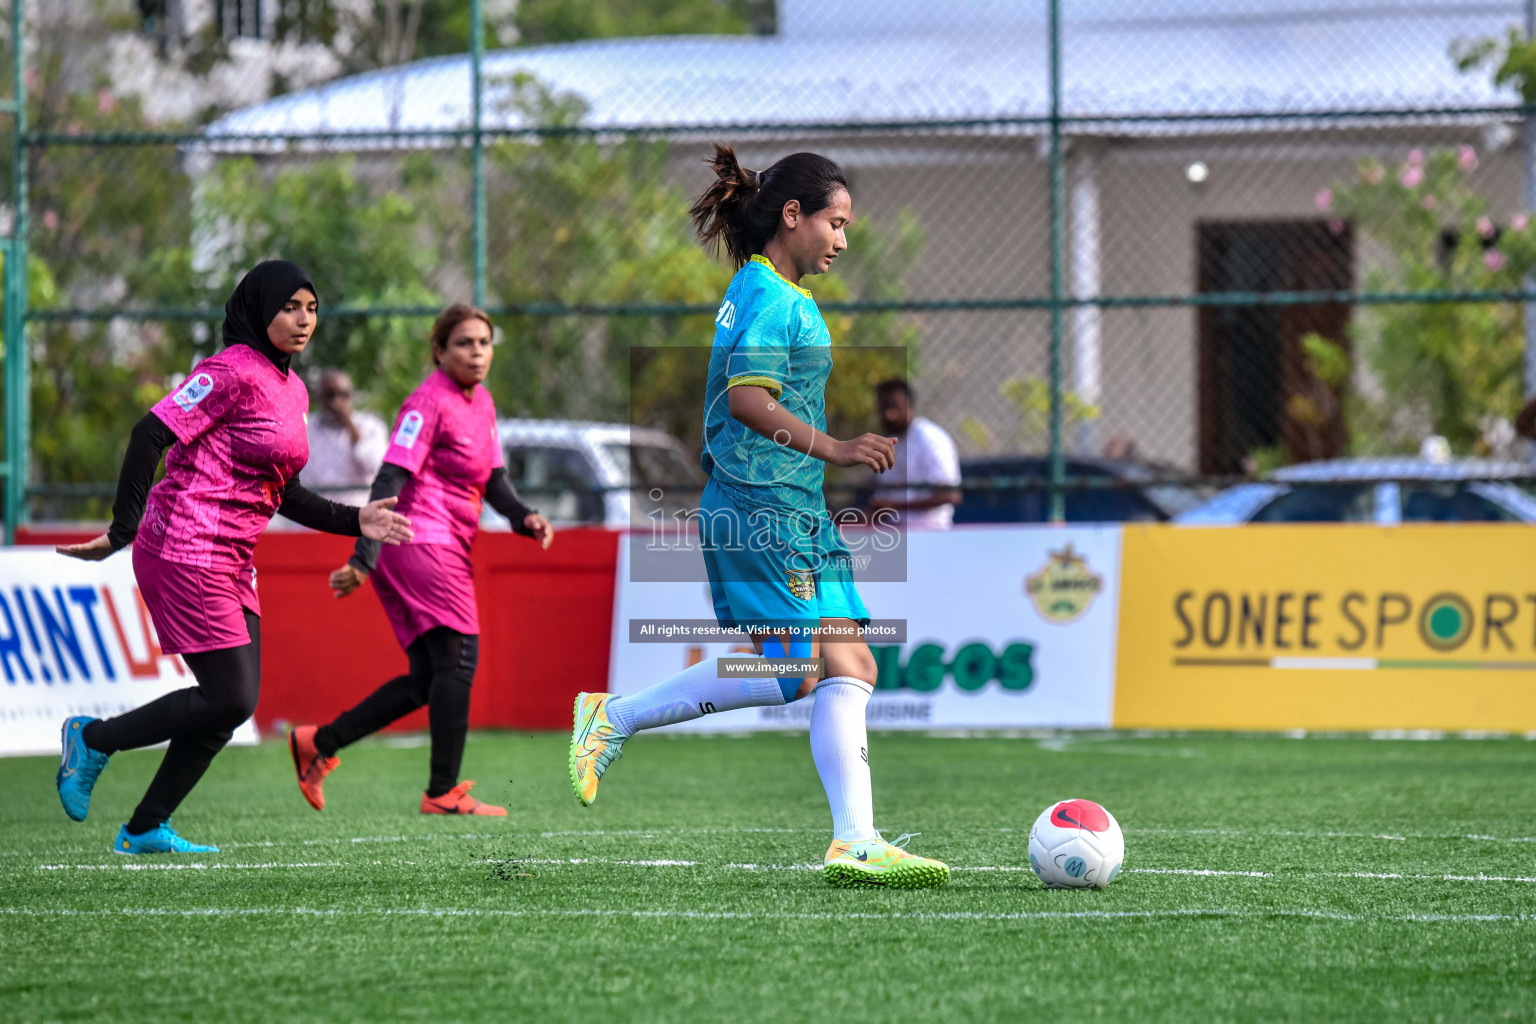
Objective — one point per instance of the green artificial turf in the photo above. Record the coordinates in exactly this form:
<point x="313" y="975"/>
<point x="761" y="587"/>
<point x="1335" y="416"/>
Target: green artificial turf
<point x="372" y="911"/>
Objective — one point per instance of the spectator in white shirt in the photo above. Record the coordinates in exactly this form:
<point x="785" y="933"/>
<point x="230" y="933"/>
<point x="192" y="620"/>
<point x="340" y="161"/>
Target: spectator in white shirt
<point x="925" y="454"/>
<point x="346" y="446"/>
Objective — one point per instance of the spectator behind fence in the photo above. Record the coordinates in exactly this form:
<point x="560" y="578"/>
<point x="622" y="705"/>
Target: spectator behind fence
<point x="925" y="455"/>
<point x="346" y="446"/>
<point x="1525" y="425"/>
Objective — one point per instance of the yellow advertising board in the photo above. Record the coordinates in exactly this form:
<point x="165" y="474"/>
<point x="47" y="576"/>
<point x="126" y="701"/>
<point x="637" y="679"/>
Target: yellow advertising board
<point x="1328" y="627"/>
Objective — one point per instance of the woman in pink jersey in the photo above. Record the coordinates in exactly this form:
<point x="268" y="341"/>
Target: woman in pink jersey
<point x="235" y="430"/>
<point x="444" y="460"/>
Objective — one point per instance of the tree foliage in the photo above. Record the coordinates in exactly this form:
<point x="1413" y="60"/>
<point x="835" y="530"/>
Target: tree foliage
<point x="367" y="34"/>
<point x="577" y="221"/>
<point x="109" y="225"/>
<point x="560" y="21"/>
<point x="1430" y="368"/>
<point x="366" y="244"/>
<point x="573" y="220"/>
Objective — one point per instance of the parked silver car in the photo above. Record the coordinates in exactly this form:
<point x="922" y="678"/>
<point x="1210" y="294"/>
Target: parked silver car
<point x="1401" y="490"/>
<point x="597" y="473"/>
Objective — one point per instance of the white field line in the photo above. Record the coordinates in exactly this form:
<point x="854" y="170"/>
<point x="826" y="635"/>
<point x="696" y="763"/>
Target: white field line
<point x="1286" y="833"/>
<point x="359" y="840"/>
<point x="629" y="832"/>
<point x="272" y="844"/>
<point x="675" y="831"/>
<point x="1025" y="869"/>
<point x="749" y="915"/>
<point x="653" y="832"/>
<point x="672" y="863"/>
<point x="138" y="866"/>
<point x="1299" y="834"/>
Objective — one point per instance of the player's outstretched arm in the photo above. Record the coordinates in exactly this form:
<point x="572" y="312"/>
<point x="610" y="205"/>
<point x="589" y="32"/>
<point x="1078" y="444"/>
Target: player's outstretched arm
<point x="374" y="520"/>
<point x="378" y="521"/>
<point x="755" y="407"/>
<point x="503" y="497"/>
<point x="148" y="440"/>
<point x="387" y="485"/>
<point x="93" y="550"/>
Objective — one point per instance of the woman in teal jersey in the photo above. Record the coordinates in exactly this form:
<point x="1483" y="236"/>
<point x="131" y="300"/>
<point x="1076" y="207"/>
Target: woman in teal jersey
<point x="776" y="564"/>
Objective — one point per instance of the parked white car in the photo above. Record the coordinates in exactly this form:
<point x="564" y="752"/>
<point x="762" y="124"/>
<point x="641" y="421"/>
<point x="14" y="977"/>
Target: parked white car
<point x="1404" y="490"/>
<point x="596" y="473"/>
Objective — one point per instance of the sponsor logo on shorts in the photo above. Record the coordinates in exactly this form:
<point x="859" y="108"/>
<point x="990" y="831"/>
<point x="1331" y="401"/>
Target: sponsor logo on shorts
<point x="801" y="584"/>
<point x="198" y="387"/>
<point x="410" y="430"/>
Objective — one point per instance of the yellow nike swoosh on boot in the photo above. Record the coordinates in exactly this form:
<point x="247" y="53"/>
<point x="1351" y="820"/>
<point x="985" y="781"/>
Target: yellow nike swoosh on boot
<point x="879" y="863"/>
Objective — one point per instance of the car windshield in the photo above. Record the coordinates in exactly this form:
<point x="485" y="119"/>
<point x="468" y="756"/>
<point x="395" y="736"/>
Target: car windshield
<point x="1322" y="503"/>
<point x="1032" y="504"/>
<point x="1450" y="503"/>
<point x="652" y="465"/>
<point x="557" y="481"/>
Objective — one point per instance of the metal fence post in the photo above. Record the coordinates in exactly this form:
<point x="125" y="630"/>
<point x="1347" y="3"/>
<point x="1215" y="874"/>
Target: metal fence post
<point x="1058" y="253"/>
<point x="477" y="58"/>
<point x="1530" y="204"/>
<point x="17" y="384"/>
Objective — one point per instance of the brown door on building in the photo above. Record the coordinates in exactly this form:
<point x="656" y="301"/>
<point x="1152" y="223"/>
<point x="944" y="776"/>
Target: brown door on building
<point x="1258" y="389"/>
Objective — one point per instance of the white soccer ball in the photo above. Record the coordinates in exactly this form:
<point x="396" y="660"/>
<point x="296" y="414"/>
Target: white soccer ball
<point x="1076" y="844"/>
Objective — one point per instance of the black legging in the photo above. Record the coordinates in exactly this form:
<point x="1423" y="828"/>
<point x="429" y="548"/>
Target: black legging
<point x="442" y="669"/>
<point x="198" y="721"/>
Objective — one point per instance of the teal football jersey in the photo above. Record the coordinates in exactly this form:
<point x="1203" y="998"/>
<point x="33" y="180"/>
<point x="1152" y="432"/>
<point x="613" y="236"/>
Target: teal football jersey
<point x="770" y="333"/>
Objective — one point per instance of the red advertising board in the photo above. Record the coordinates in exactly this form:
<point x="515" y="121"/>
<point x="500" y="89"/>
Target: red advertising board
<point x="545" y="628"/>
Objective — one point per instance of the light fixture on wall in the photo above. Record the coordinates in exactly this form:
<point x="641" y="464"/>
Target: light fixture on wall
<point x="1197" y="172"/>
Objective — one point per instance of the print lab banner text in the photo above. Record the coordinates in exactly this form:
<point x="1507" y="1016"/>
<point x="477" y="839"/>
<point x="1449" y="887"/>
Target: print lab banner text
<point x="75" y="639"/>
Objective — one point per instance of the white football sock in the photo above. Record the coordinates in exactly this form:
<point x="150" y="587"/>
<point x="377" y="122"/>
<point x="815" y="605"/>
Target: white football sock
<point x="695" y="691"/>
<point x="840" y="747"/>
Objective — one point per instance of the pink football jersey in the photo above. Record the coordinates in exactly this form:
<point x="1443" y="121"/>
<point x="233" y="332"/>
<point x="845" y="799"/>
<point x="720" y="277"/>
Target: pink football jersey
<point x="240" y="430"/>
<point x="448" y="443"/>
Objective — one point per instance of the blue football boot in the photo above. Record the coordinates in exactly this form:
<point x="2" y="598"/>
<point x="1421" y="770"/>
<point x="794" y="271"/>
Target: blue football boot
<point x="78" y="768"/>
<point x="161" y="839"/>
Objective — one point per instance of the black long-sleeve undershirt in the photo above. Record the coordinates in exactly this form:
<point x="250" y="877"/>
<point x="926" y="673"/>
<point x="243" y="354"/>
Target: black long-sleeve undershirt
<point x="307" y="508"/>
<point x="388" y="483"/>
<point x="391" y="480"/>
<point x="503" y="497"/>
<point x="148" y="441"/>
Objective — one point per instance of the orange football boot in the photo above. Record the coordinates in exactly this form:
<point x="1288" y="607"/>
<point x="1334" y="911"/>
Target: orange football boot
<point x="458" y="801"/>
<point x="310" y="765"/>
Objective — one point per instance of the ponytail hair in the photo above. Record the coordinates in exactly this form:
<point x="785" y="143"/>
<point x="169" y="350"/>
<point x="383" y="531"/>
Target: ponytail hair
<point x="741" y="208"/>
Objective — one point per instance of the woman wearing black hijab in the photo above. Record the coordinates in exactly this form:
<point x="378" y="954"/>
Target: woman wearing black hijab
<point x="235" y="430"/>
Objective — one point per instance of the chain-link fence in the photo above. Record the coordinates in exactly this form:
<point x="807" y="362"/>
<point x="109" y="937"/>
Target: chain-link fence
<point x="1172" y="241"/>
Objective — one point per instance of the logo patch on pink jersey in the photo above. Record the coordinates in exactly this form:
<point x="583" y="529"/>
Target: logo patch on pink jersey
<point x="197" y="388"/>
<point x="410" y="430"/>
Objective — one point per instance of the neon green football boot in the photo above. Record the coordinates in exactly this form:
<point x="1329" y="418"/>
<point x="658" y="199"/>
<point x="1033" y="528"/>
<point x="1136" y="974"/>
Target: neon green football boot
<point x="877" y="862"/>
<point x="595" y="744"/>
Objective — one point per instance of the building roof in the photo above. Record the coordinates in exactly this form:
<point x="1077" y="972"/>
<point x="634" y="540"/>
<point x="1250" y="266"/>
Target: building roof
<point x="1200" y="57"/>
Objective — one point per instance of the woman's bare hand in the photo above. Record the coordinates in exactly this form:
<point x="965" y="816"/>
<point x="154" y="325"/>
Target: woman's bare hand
<point x="91" y="551"/>
<point x="380" y="524"/>
<point x="347" y="579"/>
<point x="542" y="531"/>
<point x="876" y="451"/>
